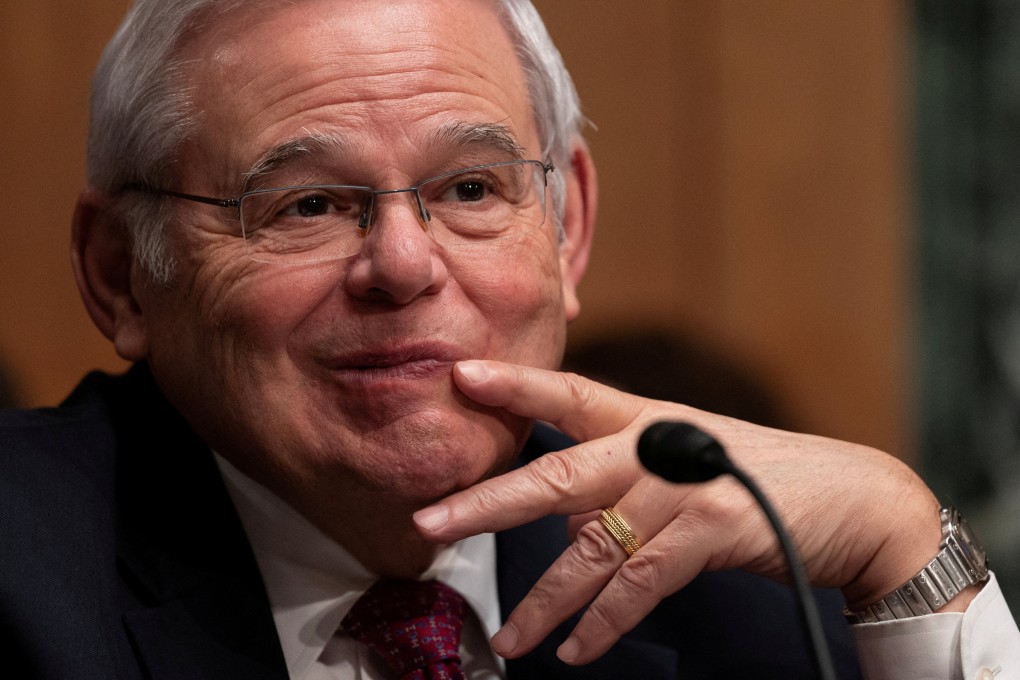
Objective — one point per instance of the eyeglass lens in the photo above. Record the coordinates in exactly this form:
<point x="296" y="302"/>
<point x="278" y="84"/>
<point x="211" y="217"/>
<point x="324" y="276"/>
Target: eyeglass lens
<point x="325" y="222"/>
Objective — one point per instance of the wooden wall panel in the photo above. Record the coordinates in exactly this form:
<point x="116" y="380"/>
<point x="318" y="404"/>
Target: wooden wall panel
<point x="47" y="52"/>
<point x="755" y="168"/>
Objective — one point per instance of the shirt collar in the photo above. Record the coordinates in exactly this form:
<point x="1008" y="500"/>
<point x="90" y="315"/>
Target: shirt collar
<point x="312" y="581"/>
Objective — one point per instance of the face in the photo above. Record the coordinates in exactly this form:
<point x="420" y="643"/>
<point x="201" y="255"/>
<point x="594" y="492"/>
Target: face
<point x="337" y="375"/>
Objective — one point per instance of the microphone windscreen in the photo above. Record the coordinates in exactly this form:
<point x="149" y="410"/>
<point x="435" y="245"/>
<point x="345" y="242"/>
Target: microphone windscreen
<point x="681" y="453"/>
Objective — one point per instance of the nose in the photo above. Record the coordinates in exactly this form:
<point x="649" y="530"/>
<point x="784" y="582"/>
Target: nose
<point x="399" y="261"/>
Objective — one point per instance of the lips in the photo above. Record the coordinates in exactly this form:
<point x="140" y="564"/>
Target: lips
<point x="406" y="363"/>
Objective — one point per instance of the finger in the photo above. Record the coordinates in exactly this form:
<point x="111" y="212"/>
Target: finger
<point x="581" y="572"/>
<point x="581" y="408"/>
<point x="712" y="527"/>
<point x="575" y="522"/>
<point x="565" y="482"/>
<point x="645" y="579"/>
<point x="571" y="582"/>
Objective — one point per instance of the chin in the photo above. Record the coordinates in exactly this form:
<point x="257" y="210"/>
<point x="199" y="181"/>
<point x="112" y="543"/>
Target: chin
<point x="426" y="459"/>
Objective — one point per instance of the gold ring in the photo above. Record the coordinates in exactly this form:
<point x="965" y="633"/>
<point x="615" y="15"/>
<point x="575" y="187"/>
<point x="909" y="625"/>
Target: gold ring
<point x="620" y="530"/>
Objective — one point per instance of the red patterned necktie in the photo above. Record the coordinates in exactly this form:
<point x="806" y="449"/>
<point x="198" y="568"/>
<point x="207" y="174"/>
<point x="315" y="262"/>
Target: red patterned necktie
<point x="413" y="625"/>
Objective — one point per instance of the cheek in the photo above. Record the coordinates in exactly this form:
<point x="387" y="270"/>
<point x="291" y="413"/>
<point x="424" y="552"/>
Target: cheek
<point x="222" y="345"/>
<point x="236" y="316"/>
<point x="519" y="294"/>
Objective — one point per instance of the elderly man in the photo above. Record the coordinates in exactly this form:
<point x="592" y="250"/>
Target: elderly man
<point x="340" y="240"/>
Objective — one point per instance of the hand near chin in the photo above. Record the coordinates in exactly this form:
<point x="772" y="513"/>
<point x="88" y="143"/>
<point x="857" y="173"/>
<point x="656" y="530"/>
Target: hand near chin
<point x="862" y="521"/>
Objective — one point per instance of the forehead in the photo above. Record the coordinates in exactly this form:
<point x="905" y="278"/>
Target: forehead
<point x="382" y="74"/>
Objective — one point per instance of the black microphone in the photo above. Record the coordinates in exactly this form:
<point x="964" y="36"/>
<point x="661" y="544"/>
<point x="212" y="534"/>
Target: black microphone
<point x="683" y="454"/>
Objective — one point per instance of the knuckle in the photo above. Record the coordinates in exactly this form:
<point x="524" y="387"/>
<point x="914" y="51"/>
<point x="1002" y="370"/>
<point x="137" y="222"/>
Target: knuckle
<point x="582" y="391"/>
<point x="640" y="575"/>
<point x="593" y="545"/>
<point x="483" y="500"/>
<point x="555" y="472"/>
<point x="602" y="616"/>
<point x="727" y="506"/>
<point x="543" y="596"/>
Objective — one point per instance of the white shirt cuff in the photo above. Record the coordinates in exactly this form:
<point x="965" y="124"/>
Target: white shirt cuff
<point x="982" y="643"/>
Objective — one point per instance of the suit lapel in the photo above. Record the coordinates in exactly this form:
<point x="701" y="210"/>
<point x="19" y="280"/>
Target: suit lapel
<point x="197" y="609"/>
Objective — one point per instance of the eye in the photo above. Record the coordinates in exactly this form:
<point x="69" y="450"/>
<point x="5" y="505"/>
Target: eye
<point x="470" y="190"/>
<point x="309" y="206"/>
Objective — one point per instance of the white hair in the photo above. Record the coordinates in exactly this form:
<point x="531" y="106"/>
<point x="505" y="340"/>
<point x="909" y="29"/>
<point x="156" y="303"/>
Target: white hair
<point x="142" y="111"/>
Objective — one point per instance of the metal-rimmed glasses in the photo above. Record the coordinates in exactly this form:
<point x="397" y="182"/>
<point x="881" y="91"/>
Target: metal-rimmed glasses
<point x="313" y="223"/>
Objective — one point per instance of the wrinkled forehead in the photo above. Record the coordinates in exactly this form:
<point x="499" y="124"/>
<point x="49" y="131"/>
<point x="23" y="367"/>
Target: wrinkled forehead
<point x="383" y="75"/>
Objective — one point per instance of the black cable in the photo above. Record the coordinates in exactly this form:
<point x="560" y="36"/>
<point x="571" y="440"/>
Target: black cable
<point x="682" y="453"/>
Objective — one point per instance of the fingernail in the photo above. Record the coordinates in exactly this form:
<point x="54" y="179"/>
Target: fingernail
<point x="433" y="518"/>
<point x="505" y="639"/>
<point x="569" y="650"/>
<point x="474" y="371"/>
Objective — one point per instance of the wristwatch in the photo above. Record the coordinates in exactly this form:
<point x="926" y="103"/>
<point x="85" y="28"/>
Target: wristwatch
<point x="960" y="562"/>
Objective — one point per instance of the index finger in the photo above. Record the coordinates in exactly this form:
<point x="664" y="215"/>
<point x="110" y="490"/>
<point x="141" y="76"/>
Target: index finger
<point x="581" y="408"/>
<point x="560" y="482"/>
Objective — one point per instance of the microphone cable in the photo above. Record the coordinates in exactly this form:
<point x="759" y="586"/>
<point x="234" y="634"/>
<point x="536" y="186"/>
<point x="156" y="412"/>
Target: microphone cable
<point x="683" y="454"/>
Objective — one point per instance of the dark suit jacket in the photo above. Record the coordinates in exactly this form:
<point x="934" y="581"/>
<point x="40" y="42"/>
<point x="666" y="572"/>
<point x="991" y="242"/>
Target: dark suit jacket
<point x="121" y="557"/>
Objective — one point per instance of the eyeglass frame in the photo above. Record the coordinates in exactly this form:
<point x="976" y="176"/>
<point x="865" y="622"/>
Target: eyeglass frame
<point x="367" y="218"/>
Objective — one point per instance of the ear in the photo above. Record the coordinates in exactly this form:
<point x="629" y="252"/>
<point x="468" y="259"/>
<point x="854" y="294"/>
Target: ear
<point x="104" y="270"/>
<point x="578" y="223"/>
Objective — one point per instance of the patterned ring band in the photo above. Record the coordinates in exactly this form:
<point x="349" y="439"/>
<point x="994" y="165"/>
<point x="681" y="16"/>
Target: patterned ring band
<point x="620" y="530"/>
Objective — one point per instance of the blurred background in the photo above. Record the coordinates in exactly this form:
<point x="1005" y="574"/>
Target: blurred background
<point x="809" y="218"/>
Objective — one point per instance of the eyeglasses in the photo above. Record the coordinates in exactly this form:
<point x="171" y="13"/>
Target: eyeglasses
<point x="315" y="223"/>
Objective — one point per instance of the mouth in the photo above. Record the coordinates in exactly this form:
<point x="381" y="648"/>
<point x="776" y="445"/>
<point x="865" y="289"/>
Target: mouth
<point x="408" y="363"/>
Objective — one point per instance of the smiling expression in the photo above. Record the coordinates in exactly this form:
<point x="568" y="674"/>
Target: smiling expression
<point x="337" y="375"/>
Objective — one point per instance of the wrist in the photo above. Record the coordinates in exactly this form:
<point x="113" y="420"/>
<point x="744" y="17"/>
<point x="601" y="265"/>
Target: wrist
<point x="913" y="534"/>
<point x="947" y="582"/>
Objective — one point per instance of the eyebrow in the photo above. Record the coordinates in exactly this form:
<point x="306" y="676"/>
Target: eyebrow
<point x="458" y="135"/>
<point x="495" y="136"/>
<point x="315" y="144"/>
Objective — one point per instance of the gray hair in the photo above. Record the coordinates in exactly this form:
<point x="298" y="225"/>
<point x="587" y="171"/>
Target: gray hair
<point x="141" y="115"/>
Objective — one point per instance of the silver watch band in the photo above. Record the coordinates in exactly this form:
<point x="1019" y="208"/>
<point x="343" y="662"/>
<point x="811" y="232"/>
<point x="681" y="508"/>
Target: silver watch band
<point x="926" y="593"/>
<point x="956" y="566"/>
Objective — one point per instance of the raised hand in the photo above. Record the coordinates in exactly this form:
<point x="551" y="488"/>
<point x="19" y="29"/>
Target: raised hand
<point x="861" y="519"/>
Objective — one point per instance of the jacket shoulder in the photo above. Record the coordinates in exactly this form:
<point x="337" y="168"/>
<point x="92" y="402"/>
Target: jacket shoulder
<point x="57" y="581"/>
<point x="54" y="450"/>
